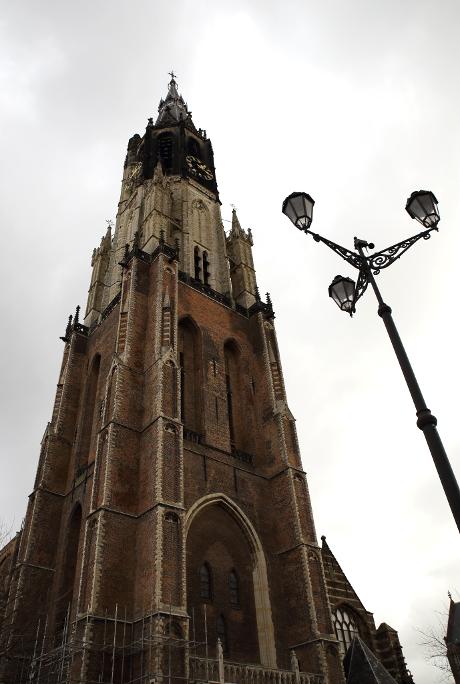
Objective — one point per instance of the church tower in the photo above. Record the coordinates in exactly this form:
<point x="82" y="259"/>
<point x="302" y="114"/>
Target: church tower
<point x="169" y="534"/>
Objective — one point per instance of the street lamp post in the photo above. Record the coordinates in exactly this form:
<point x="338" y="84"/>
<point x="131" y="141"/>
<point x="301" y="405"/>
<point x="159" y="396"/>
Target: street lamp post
<point x="422" y="206"/>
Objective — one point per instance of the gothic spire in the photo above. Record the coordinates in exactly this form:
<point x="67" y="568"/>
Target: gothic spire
<point x="173" y="108"/>
<point x="236" y="226"/>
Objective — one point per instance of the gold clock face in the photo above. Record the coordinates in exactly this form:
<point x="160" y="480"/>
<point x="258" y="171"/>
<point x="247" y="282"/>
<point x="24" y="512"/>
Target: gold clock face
<point x="198" y="168"/>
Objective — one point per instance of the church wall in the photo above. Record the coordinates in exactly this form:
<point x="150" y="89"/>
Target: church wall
<point x="117" y="564"/>
<point x="210" y="467"/>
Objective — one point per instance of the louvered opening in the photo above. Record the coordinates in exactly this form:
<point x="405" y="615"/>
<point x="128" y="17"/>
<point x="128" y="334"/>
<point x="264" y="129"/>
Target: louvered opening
<point x="166" y="328"/>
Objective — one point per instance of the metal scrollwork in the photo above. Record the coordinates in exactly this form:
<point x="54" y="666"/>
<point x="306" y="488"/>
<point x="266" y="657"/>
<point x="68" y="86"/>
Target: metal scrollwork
<point x="361" y="286"/>
<point x="387" y="256"/>
<point x="352" y="258"/>
<point x="371" y="265"/>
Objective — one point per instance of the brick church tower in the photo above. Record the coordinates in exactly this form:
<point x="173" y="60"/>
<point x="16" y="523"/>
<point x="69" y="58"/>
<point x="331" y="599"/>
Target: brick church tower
<point x="170" y="534"/>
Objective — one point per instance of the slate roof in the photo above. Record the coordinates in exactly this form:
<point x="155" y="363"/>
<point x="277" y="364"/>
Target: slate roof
<point x="173" y="108"/>
<point x="362" y="666"/>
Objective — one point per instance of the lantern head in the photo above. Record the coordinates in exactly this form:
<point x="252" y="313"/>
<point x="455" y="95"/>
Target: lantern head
<point x="422" y="205"/>
<point x="342" y="291"/>
<point x="299" y="208"/>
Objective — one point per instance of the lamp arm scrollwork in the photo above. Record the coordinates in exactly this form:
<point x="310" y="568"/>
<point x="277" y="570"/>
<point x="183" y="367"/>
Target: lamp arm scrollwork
<point x="351" y="257"/>
<point x="387" y="256"/>
<point x="361" y="286"/>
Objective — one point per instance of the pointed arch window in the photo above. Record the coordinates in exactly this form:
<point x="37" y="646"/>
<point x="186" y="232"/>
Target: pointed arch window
<point x="345" y="628"/>
<point x="222" y="633"/>
<point x="205" y="582"/>
<point x="234" y="588"/>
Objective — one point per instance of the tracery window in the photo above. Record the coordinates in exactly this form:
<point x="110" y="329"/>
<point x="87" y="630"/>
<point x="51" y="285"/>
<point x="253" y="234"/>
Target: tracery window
<point x="345" y="628"/>
<point x="234" y="588"/>
<point x="205" y="582"/>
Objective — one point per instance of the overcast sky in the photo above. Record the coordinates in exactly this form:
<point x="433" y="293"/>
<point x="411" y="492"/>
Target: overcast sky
<point x="354" y="102"/>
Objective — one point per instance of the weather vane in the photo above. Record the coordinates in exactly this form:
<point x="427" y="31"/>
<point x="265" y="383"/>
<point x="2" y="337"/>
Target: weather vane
<point x="109" y="223"/>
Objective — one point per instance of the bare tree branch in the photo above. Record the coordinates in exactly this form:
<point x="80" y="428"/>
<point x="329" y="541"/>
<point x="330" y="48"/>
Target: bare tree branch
<point x="6" y="533"/>
<point x="435" y="649"/>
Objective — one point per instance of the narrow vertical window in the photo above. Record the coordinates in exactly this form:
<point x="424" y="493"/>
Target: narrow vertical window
<point x="206" y="273"/>
<point x="234" y="408"/>
<point x="165" y="150"/>
<point x="222" y="633"/>
<point x="190" y="374"/>
<point x="89" y="425"/>
<point x="69" y="568"/>
<point x="234" y="588"/>
<point x="205" y="582"/>
<point x="230" y="406"/>
<point x="182" y="386"/>
<point x="197" y="263"/>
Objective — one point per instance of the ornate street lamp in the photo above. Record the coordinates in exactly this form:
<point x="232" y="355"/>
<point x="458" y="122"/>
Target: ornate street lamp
<point x="422" y="206"/>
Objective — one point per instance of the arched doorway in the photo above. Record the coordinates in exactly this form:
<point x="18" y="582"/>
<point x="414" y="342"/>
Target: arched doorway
<point x="220" y="537"/>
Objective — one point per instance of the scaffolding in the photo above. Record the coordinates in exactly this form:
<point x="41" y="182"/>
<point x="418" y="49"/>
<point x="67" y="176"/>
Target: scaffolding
<point x="149" y="648"/>
<point x="122" y="651"/>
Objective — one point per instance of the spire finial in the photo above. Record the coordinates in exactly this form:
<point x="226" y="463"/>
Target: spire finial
<point x="449" y="595"/>
<point x="172" y="109"/>
<point x="236" y="227"/>
<point x="172" y="74"/>
<point x="68" y="330"/>
<point x="77" y="316"/>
